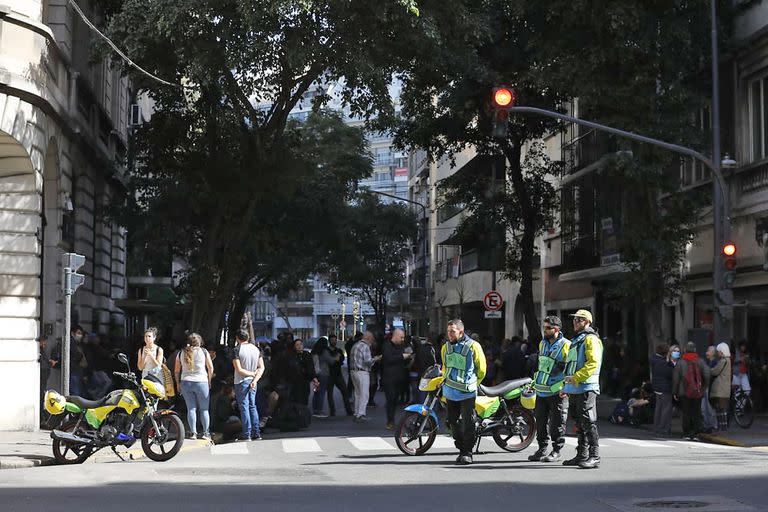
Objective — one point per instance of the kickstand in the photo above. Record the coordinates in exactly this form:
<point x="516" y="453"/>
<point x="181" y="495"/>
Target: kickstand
<point x="477" y="446"/>
<point x="118" y="454"/>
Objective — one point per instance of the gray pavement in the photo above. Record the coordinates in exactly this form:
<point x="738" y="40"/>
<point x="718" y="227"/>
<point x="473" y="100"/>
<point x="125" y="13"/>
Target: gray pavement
<point x="341" y="465"/>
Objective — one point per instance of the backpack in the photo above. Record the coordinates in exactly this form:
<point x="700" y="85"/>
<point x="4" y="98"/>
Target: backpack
<point x="693" y="387"/>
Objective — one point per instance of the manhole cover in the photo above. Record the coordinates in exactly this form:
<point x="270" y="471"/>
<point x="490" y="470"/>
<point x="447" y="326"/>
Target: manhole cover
<point x="667" y="504"/>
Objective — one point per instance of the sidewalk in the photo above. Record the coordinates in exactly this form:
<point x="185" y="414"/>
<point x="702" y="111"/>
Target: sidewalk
<point x="752" y="437"/>
<point x="30" y="449"/>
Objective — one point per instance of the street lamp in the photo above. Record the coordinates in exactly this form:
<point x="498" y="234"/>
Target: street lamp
<point x="424" y="242"/>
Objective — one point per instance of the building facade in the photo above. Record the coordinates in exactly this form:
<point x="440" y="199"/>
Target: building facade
<point x="63" y="125"/>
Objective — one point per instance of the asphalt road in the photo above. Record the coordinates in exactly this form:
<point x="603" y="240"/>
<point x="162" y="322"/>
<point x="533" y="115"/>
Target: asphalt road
<point x="341" y="465"/>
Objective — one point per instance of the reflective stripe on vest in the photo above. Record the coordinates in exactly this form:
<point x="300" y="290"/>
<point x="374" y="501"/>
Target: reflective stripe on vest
<point x="546" y="365"/>
<point x="577" y="358"/>
<point x="456" y="364"/>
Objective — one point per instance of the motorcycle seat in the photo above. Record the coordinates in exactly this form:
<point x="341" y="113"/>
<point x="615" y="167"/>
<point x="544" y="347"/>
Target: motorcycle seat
<point x="84" y="403"/>
<point x="504" y="387"/>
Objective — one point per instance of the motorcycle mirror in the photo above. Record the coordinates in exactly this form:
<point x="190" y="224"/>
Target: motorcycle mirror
<point x="122" y="358"/>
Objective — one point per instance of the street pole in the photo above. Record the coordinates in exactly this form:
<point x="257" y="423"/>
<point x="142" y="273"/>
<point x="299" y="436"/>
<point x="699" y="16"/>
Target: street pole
<point x="424" y="243"/>
<point x="71" y="282"/>
<point x="721" y="294"/>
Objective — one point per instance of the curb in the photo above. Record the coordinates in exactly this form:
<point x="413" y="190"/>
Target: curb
<point x="13" y="462"/>
<point x="727" y="441"/>
<point x="23" y="462"/>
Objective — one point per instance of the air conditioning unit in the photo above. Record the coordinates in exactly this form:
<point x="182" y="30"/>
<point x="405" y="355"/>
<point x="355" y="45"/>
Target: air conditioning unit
<point x="135" y="117"/>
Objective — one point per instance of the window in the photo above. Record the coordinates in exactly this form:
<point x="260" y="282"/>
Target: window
<point x="693" y="171"/>
<point x="758" y="118"/>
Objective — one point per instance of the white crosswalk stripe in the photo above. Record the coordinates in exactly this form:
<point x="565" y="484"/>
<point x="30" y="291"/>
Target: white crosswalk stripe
<point x="370" y="443"/>
<point x="572" y="441"/>
<point x="230" y="449"/>
<point x="640" y="443"/>
<point x="444" y="442"/>
<point x="300" y="446"/>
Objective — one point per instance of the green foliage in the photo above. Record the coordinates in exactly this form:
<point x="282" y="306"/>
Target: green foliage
<point x="223" y="177"/>
<point x="375" y="244"/>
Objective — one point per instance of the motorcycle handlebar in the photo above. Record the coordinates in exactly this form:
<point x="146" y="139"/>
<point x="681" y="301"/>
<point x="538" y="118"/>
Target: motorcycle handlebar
<point x="127" y="376"/>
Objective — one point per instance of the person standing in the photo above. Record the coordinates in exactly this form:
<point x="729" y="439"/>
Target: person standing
<point x="661" y="380"/>
<point x="150" y="360"/>
<point x="249" y="367"/>
<point x="551" y="408"/>
<point x="582" y="385"/>
<point x="689" y="380"/>
<point x="720" y="390"/>
<point x="336" y="378"/>
<point x="77" y="360"/>
<point x="360" y="363"/>
<point x="740" y="368"/>
<point x="393" y="375"/>
<point x="348" y="350"/>
<point x="463" y="367"/>
<point x="194" y="371"/>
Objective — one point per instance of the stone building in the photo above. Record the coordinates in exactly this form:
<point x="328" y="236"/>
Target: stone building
<point x="64" y="123"/>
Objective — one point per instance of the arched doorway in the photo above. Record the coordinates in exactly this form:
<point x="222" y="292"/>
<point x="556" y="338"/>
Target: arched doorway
<point x="20" y="270"/>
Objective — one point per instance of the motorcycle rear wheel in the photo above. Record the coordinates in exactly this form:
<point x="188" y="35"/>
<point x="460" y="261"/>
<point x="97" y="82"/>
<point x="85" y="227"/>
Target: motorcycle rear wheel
<point x="70" y="453"/>
<point x="168" y="441"/>
<point x="407" y="428"/>
<point x="520" y="426"/>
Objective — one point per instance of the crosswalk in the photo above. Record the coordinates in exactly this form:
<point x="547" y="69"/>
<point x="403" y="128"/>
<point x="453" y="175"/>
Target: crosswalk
<point x="370" y="444"/>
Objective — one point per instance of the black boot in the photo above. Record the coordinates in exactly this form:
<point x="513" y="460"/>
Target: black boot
<point x="538" y="454"/>
<point x="552" y="457"/>
<point x="578" y="459"/>
<point x="593" y="462"/>
<point x="464" y="459"/>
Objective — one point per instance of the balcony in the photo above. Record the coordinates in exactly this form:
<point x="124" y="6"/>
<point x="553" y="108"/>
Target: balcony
<point x="580" y="252"/>
<point x="753" y="179"/>
<point x="586" y="150"/>
<point x="482" y="259"/>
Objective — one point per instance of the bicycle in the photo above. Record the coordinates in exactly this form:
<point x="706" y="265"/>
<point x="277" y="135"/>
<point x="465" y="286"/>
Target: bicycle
<point x="742" y="409"/>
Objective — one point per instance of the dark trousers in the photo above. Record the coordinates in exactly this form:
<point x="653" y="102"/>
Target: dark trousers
<point x="392" y="391"/>
<point x="662" y="414"/>
<point x="552" y="412"/>
<point x="337" y="381"/>
<point x="461" y="418"/>
<point x="374" y="387"/>
<point x="582" y="408"/>
<point x="691" y="410"/>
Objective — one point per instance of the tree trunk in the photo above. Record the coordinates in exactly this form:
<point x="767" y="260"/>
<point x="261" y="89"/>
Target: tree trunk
<point x="527" y="242"/>
<point x="652" y="316"/>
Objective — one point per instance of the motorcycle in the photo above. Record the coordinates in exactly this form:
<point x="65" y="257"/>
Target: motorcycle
<point x="119" y="419"/>
<point x="499" y="413"/>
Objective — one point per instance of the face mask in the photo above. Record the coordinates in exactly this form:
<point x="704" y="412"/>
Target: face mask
<point x="675" y="355"/>
<point x="78" y="337"/>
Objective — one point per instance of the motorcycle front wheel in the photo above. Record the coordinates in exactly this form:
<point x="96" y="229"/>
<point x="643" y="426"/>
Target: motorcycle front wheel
<point x="164" y="443"/>
<point x="70" y="453"/>
<point x="517" y="431"/>
<point x="407" y="435"/>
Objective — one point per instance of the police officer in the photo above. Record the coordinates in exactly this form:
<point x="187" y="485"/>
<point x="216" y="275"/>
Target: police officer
<point x="463" y="367"/>
<point x="551" y="407"/>
<point x="582" y="385"/>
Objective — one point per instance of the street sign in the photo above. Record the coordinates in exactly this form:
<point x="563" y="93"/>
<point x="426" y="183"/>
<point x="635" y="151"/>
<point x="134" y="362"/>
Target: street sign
<point x="493" y="301"/>
<point x="493" y="314"/>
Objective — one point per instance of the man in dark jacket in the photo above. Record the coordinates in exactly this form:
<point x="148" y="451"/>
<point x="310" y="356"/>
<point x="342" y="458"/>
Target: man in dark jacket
<point x="393" y="376"/>
<point x="336" y="379"/>
<point x="661" y="380"/>
<point x="689" y="389"/>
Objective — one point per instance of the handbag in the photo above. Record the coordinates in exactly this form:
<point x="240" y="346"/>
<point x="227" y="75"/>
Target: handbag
<point x="170" y="390"/>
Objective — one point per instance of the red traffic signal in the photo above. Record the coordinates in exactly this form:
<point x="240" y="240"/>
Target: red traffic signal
<point x="503" y="97"/>
<point x="729" y="249"/>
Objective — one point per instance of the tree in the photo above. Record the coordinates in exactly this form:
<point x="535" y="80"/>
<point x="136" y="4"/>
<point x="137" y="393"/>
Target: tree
<point x="219" y="159"/>
<point x="445" y="109"/>
<point x="640" y="66"/>
<point x="377" y="243"/>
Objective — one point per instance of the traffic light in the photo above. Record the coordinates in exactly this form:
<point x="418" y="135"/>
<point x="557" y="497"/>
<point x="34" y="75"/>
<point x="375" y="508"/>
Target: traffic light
<point x="503" y="98"/>
<point x="729" y="264"/>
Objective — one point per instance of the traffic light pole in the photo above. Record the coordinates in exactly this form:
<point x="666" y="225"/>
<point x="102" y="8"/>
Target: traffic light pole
<point x="65" y="341"/>
<point x="722" y="295"/>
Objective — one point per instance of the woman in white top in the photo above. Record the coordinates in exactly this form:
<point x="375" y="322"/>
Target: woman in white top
<point x="151" y="355"/>
<point x="194" y="370"/>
